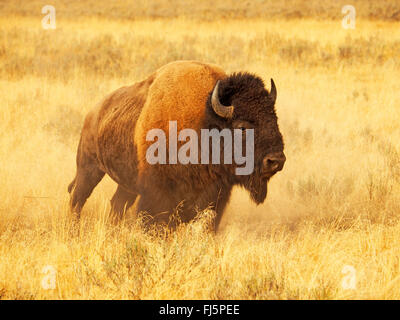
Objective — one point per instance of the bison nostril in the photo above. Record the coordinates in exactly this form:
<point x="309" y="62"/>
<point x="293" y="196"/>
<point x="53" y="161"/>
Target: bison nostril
<point x="273" y="163"/>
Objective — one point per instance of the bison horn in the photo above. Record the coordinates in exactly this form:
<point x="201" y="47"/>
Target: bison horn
<point x="220" y="109"/>
<point x="272" y="94"/>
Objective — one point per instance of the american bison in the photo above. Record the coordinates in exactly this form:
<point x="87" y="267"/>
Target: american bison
<point x="192" y="95"/>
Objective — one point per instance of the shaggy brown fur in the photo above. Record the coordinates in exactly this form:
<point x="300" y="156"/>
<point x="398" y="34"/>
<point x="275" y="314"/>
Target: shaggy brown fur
<point x="113" y="141"/>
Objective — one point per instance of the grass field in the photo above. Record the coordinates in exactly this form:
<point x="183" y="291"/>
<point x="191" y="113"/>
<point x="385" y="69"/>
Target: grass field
<point x="335" y="204"/>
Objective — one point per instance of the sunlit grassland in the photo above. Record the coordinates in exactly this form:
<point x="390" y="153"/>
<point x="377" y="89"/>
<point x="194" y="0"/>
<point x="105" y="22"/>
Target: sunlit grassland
<point x="336" y="202"/>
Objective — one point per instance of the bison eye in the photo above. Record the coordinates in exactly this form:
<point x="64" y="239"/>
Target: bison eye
<point x="242" y="125"/>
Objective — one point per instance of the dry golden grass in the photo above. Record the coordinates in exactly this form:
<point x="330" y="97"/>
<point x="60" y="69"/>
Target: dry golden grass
<point x="336" y="202"/>
<point x="210" y="10"/>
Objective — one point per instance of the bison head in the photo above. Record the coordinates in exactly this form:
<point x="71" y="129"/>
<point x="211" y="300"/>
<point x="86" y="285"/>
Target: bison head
<point x="241" y="101"/>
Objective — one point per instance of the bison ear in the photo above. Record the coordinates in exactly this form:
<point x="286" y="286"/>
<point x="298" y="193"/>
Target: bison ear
<point x="272" y="93"/>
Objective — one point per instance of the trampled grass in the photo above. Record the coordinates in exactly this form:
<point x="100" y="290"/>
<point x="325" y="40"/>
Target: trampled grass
<point x="335" y="204"/>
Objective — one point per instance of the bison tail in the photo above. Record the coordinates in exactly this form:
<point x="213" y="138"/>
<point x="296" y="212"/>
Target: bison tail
<point x="71" y="185"/>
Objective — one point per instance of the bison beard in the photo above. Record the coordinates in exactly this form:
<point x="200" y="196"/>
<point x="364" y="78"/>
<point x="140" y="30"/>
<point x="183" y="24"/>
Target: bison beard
<point x="257" y="186"/>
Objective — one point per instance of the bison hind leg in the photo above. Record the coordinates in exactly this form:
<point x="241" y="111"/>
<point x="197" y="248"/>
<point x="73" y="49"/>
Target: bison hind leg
<point x="87" y="178"/>
<point x="122" y="200"/>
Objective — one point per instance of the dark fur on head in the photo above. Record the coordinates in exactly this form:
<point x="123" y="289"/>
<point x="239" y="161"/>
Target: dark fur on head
<point x="254" y="106"/>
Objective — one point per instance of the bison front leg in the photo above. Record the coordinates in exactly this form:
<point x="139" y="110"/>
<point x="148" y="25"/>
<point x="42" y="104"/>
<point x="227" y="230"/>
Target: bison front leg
<point x="214" y="198"/>
<point x="156" y="207"/>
